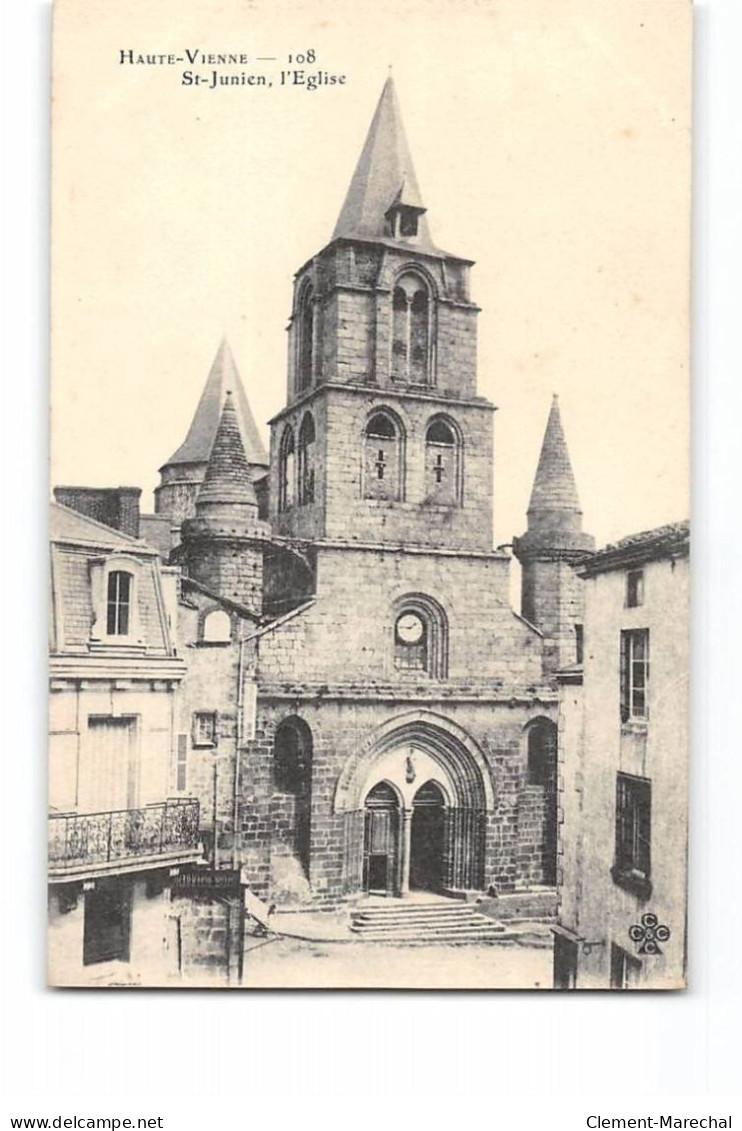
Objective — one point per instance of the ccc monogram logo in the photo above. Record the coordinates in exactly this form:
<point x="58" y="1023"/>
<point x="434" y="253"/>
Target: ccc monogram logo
<point x="649" y="934"/>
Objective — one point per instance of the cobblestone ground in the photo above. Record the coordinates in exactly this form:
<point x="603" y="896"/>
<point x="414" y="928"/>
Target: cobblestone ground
<point x="291" y="963"/>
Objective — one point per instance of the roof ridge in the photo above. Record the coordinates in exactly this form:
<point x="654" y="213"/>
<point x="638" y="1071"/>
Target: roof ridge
<point x="223" y="377"/>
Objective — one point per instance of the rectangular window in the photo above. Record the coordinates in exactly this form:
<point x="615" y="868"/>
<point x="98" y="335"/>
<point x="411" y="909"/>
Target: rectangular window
<point x="624" y="968"/>
<point x="634" y="674"/>
<point x="181" y="764"/>
<point x="204" y="728"/>
<point x="635" y="588"/>
<point x="633" y="860"/>
<point x="118" y="603"/>
<point x="579" y="644"/>
<point x="107" y="924"/>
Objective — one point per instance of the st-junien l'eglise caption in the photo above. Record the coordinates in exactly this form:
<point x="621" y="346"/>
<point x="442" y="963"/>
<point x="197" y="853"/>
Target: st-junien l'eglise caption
<point x="303" y="674"/>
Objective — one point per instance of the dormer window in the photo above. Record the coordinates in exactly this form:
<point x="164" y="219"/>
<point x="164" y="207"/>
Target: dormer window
<point x="119" y="603"/>
<point x="408" y="222"/>
<point x="403" y="215"/>
<point x="115" y="591"/>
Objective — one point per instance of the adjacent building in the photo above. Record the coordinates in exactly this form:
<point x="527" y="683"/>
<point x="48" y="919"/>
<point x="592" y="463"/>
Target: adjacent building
<point x="119" y="828"/>
<point x="623" y="740"/>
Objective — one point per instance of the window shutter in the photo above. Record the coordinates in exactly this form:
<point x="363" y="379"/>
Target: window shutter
<point x="181" y="766"/>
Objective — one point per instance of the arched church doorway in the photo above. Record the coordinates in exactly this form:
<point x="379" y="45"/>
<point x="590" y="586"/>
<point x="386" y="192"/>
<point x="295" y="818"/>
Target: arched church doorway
<point x="418" y="769"/>
<point x="427" y="838"/>
<point x="381" y="841"/>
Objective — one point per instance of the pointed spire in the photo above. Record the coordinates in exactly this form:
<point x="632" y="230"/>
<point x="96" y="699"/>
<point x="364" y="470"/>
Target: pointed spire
<point x="384" y="177"/>
<point x="223" y="378"/>
<point x="227" y="481"/>
<point x="554" y="488"/>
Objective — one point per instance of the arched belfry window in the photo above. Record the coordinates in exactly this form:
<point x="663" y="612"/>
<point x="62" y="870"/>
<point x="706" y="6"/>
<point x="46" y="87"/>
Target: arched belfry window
<point x="305" y="352"/>
<point x="287" y="470"/>
<point x="442" y="462"/>
<point x="411" y="330"/>
<point x="382" y="457"/>
<point x="306" y="460"/>
<point x="420" y="637"/>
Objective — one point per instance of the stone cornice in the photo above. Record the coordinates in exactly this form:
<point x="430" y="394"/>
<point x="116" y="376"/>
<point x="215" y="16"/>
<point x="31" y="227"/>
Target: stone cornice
<point x="382" y="392"/>
<point x="436" y="693"/>
<point x="128" y="668"/>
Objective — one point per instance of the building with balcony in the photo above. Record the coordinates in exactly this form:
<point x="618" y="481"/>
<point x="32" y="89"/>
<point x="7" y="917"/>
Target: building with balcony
<point x="622" y="772"/>
<point x="119" y="825"/>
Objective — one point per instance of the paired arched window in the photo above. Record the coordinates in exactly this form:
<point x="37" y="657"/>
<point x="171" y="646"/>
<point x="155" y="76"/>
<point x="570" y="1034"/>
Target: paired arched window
<point x="382" y="457"/>
<point x="420" y="637"/>
<point x="411" y="329"/>
<point x="305" y="351"/>
<point x="286" y="470"/>
<point x="307" y="438"/>
<point x="119" y="595"/>
<point x="442" y="462"/>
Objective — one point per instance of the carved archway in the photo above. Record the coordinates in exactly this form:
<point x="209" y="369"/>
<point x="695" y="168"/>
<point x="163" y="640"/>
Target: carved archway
<point x="406" y="752"/>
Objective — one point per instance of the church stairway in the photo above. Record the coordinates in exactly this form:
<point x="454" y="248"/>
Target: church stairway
<point x="444" y="921"/>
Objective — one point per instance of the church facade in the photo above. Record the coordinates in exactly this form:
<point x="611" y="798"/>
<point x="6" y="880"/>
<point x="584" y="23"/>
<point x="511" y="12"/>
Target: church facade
<point x="402" y="715"/>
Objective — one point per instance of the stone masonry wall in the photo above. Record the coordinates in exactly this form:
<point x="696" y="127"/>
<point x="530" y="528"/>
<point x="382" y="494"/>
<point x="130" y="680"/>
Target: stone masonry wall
<point x="553" y="600"/>
<point x="353" y="285"/>
<point x="347" y="634"/>
<point x="513" y="836"/>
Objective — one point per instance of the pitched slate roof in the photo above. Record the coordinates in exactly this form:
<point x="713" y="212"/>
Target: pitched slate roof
<point x="670" y="540"/>
<point x="76" y="540"/>
<point x="554" y="487"/>
<point x="383" y="176"/>
<point x="223" y="378"/>
<point x="67" y="525"/>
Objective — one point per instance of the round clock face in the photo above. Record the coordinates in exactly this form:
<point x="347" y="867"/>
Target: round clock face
<point x="410" y="628"/>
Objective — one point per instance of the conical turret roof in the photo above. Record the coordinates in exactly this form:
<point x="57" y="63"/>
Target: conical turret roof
<point x="227" y="480"/>
<point x="554" y="488"/>
<point x="223" y="378"/>
<point x="384" y="176"/>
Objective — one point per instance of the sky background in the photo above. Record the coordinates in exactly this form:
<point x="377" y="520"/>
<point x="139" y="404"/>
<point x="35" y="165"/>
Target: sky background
<point x="551" y="143"/>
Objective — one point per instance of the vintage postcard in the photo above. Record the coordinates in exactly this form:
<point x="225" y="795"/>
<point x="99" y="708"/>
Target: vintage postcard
<point x="369" y="536"/>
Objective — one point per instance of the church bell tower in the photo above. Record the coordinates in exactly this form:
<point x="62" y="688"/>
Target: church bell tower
<point x="384" y="438"/>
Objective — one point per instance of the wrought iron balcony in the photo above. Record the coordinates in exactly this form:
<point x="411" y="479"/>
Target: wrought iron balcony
<point x="123" y="839"/>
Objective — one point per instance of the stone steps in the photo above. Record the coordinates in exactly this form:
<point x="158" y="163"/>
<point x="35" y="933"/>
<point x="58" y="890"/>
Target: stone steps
<point x="435" y="922"/>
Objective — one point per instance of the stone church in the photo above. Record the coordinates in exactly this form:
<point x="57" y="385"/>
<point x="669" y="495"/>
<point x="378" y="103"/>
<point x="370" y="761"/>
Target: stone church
<point x="404" y="732"/>
<point x="363" y="709"/>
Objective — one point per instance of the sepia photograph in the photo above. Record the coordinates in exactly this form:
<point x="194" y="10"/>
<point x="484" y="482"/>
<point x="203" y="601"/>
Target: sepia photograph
<point x="369" y="523"/>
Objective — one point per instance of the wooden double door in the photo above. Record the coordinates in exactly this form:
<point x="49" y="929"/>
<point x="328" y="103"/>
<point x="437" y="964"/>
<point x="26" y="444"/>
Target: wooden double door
<point x="392" y="861"/>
